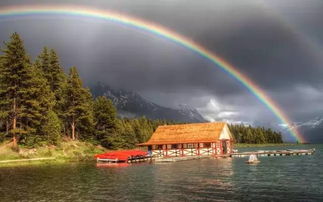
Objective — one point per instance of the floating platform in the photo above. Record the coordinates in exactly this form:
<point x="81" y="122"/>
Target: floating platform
<point x="288" y="152"/>
<point x="123" y="156"/>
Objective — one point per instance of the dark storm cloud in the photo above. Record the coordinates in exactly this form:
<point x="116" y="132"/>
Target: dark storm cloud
<point x="241" y="31"/>
<point x="259" y="44"/>
<point x="110" y="53"/>
<point x="271" y="50"/>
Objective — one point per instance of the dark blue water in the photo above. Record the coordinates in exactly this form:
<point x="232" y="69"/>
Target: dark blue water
<point x="295" y="178"/>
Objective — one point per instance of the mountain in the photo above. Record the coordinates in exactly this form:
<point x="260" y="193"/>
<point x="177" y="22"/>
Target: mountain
<point x="312" y="130"/>
<point x="130" y="104"/>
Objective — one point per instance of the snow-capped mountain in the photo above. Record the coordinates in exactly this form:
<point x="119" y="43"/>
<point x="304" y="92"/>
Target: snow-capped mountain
<point x="312" y="129"/>
<point x="314" y="123"/>
<point x="130" y="104"/>
<point x="190" y="112"/>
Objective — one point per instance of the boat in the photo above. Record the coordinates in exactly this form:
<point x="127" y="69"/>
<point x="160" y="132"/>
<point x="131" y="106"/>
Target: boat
<point x="123" y="156"/>
<point x="253" y="159"/>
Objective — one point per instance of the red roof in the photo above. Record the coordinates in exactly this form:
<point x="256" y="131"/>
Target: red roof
<point x="122" y="155"/>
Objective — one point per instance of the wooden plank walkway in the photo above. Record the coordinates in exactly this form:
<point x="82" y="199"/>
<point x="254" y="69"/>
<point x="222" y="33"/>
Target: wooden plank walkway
<point x="259" y="153"/>
<point x="288" y="152"/>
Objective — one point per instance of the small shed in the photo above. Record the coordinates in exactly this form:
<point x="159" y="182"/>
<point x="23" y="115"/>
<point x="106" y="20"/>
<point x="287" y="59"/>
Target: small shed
<point x="193" y="139"/>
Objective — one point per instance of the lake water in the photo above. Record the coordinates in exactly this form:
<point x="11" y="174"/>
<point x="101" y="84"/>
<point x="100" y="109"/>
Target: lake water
<point x="295" y="178"/>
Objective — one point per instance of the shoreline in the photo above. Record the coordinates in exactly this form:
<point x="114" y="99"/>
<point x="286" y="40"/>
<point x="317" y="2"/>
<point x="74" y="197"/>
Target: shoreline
<point x="66" y="151"/>
<point x="27" y="160"/>
<point x="73" y="151"/>
<point x="41" y="162"/>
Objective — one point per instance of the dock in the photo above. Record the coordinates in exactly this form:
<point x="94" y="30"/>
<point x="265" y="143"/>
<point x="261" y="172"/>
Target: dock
<point x="139" y="159"/>
<point x="288" y="152"/>
<point x="129" y="160"/>
<point x="136" y="156"/>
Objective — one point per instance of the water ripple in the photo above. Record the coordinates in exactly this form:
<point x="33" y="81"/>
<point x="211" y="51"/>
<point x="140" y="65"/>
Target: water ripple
<point x="297" y="178"/>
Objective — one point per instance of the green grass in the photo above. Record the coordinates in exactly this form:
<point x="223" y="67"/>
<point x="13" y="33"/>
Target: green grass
<point x="243" y="145"/>
<point x="65" y="151"/>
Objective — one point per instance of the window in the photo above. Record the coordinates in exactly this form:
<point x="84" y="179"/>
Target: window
<point x="169" y="146"/>
<point x="174" y="146"/>
<point x="190" y="146"/>
<point x="160" y="147"/>
<point x="207" y="145"/>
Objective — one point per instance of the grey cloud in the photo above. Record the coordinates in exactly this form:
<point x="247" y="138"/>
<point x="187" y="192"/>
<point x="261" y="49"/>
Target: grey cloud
<point x="278" y="56"/>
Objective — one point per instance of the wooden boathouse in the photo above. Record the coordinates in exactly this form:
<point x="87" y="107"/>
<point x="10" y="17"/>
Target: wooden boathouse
<point x="196" y="139"/>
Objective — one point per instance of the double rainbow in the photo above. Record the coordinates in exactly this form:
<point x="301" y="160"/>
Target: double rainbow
<point x="161" y="32"/>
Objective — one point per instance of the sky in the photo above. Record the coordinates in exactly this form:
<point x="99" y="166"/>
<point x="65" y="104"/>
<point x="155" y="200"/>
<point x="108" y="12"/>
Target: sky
<point x="278" y="44"/>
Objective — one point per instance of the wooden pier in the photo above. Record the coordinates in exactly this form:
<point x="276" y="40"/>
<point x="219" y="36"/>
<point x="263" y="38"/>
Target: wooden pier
<point x="288" y="152"/>
<point x="139" y="159"/>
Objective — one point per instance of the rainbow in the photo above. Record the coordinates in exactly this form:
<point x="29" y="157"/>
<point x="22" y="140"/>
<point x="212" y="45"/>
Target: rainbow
<point x="163" y="32"/>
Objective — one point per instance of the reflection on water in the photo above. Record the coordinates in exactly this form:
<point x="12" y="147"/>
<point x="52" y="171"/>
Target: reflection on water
<point x="298" y="178"/>
<point x="188" y="180"/>
<point x="112" y="165"/>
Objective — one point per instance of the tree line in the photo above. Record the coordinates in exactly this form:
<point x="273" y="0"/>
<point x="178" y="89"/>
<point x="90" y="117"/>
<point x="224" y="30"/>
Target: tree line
<point x="255" y="135"/>
<point x="41" y="104"/>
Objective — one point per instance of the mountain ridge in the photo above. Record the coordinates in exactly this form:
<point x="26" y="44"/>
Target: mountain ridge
<point x="130" y="104"/>
<point x="312" y="128"/>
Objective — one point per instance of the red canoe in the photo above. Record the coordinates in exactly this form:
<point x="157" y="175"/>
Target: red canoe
<point x="121" y="156"/>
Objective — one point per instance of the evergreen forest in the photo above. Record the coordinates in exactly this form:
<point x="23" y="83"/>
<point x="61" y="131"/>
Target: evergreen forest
<point x="40" y="104"/>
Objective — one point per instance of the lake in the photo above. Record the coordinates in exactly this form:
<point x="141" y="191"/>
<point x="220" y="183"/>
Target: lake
<point x="294" y="178"/>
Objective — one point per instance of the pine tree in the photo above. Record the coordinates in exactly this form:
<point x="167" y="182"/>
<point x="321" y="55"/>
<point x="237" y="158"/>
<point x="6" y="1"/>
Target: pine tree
<point x="105" y="115"/>
<point x="78" y="107"/>
<point x="42" y="62"/>
<point x="4" y="125"/>
<point x="58" y="78"/>
<point x="39" y="101"/>
<point x="15" y="71"/>
<point x="51" y="129"/>
<point x="48" y="62"/>
<point x="124" y="137"/>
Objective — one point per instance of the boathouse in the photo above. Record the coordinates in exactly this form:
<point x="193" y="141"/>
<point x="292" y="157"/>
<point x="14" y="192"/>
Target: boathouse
<point x="190" y="140"/>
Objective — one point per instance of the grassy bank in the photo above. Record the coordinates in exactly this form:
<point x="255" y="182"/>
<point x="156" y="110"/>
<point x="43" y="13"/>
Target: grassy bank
<point x="65" y="151"/>
<point x="243" y="145"/>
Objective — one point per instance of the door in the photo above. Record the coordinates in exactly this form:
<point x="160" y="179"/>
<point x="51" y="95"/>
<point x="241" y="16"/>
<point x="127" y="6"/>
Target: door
<point x="224" y="147"/>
